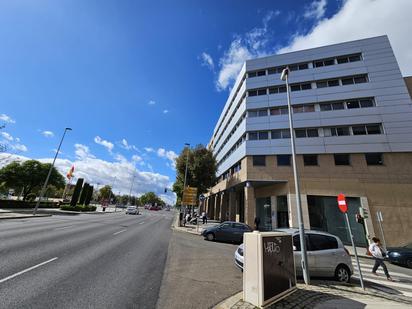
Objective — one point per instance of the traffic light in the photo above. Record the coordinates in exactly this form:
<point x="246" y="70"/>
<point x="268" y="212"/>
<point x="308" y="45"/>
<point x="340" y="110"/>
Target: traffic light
<point x="359" y="218"/>
<point x="165" y="190"/>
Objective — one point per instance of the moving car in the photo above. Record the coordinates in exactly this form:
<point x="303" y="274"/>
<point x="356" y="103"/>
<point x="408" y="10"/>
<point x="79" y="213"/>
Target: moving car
<point x="401" y="255"/>
<point x="327" y="257"/>
<point x="132" y="210"/>
<point x="227" y="231"/>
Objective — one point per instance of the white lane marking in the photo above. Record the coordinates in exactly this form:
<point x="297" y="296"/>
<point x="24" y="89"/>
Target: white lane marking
<point x="141" y="222"/>
<point x="119" y="232"/>
<point x="27" y="269"/>
<point x="62" y="228"/>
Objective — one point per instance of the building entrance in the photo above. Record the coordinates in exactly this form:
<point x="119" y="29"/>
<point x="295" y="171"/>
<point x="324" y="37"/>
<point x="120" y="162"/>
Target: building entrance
<point x="263" y="212"/>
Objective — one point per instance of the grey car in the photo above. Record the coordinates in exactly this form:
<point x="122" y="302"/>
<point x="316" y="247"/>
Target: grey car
<point x="229" y="231"/>
<point x="327" y="257"/>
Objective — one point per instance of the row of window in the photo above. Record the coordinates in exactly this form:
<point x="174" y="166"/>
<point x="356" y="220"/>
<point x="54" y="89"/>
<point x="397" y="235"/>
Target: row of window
<point x="362" y="129"/>
<point x="234" y="169"/>
<point x="230" y="134"/>
<point x="308" y="108"/>
<point x="312" y="159"/>
<point x="231" y="150"/>
<point x="307" y="65"/>
<point x="333" y="82"/>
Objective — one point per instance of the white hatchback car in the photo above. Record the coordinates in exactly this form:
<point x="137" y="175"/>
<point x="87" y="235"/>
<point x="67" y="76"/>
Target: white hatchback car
<point x="132" y="210"/>
<point x="327" y="257"/>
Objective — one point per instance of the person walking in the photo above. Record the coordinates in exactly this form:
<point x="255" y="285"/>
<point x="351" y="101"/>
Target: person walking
<point x="257" y="222"/>
<point x="379" y="255"/>
<point x="204" y="218"/>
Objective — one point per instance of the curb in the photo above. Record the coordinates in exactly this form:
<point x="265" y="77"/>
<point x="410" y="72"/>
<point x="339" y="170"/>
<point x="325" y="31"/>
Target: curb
<point x="229" y="302"/>
<point x="25" y="217"/>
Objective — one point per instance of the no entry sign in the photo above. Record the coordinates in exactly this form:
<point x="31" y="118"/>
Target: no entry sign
<point x="343" y="207"/>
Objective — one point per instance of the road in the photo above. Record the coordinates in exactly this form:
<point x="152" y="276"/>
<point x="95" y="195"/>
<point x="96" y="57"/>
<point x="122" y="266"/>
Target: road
<point x="85" y="261"/>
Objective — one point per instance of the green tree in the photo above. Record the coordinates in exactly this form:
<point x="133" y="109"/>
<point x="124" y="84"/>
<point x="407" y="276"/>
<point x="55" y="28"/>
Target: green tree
<point x="201" y="170"/>
<point x="105" y="192"/>
<point x="150" y="198"/>
<point x="29" y="176"/>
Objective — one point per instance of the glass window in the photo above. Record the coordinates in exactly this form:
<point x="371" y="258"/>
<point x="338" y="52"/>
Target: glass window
<point x="327" y="132"/>
<point x="273" y="90"/>
<point x="261" y="92"/>
<point x="342" y="159"/>
<point x="373" y="129"/>
<point x="259" y="160"/>
<point x="303" y="66"/>
<point x="329" y="62"/>
<point x="280" y="69"/>
<point x="342" y="60"/>
<point x="309" y="108"/>
<point x="283" y="160"/>
<point x="354" y="58"/>
<point x="338" y="106"/>
<point x="322" y="242"/>
<point x="251" y="74"/>
<point x="342" y="131"/>
<point x="282" y="89"/>
<point x="285" y="133"/>
<point x="310" y="159"/>
<point x="366" y="103"/>
<point x="321" y="84"/>
<point x="284" y="110"/>
<point x="360" y="79"/>
<point x="263" y="135"/>
<point x="306" y="86"/>
<point x="333" y="132"/>
<point x="333" y="83"/>
<point x="263" y="112"/>
<point x="253" y="136"/>
<point x="272" y="71"/>
<point x="226" y="226"/>
<point x="325" y="107"/>
<point x="252" y="93"/>
<point x="312" y="132"/>
<point x="261" y="73"/>
<point x="295" y="88"/>
<point x="298" y="109"/>
<point x="347" y="81"/>
<point x="318" y="64"/>
<point x="293" y="67"/>
<point x="359" y="130"/>
<point x="252" y="113"/>
<point x="275" y="111"/>
<point x="374" y="158"/>
<point x="276" y="134"/>
<point x="352" y="104"/>
<point x="300" y="133"/>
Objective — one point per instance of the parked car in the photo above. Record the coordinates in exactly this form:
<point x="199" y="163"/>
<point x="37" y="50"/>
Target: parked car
<point x="132" y="210"/>
<point x="327" y="257"/>
<point x="401" y="255"/>
<point x="227" y="231"/>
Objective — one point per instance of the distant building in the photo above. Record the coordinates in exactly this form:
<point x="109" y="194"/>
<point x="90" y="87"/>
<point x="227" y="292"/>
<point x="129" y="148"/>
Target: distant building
<point x="353" y="128"/>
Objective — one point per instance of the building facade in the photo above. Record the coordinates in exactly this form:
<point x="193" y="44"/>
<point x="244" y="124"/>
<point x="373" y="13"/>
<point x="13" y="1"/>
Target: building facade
<point x="352" y="115"/>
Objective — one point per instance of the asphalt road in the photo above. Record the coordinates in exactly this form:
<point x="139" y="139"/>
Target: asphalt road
<point x="86" y="261"/>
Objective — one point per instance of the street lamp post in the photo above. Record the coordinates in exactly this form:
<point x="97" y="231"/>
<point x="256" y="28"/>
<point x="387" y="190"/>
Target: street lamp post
<point x="131" y="187"/>
<point x="187" y="160"/>
<point x="110" y="193"/>
<point x="304" y="260"/>
<point x="43" y="190"/>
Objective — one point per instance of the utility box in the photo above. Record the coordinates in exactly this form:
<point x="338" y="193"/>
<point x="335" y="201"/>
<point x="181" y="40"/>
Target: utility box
<point x="269" y="267"/>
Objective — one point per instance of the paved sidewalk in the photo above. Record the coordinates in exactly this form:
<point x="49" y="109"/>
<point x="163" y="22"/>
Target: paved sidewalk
<point x="6" y="214"/>
<point x="326" y="294"/>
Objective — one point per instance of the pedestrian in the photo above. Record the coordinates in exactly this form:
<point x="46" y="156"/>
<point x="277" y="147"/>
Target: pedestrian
<point x="379" y="255"/>
<point x="204" y="218"/>
<point x="257" y="222"/>
<point x="188" y="217"/>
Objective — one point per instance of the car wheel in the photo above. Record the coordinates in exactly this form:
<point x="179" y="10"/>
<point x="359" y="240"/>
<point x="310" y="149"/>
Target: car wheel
<point x="409" y="263"/>
<point x="342" y="274"/>
<point x="210" y="236"/>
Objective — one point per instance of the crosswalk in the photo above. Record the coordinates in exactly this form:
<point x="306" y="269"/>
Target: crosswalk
<point x="402" y="282"/>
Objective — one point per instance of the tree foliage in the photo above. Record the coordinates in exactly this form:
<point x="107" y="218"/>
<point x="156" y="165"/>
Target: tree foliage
<point x="150" y="198"/>
<point x="105" y="192"/>
<point x="29" y="176"/>
<point x="201" y="171"/>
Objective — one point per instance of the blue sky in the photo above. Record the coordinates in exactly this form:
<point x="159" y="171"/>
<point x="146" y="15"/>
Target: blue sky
<point x="137" y="79"/>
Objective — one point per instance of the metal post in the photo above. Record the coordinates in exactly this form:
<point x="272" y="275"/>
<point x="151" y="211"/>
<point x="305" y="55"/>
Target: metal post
<point x="356" y="252"/>
<point x="379" y="215"/>
<point x="43" y="190"/>
<point x="304" y="260"/>
<point x="110" y="193"/>
<point x="131" y="187"/>
<point x="184" y="183"/>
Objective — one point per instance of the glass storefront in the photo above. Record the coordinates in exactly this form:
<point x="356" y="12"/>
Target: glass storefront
<point x="282" y="211"/>
<point x="324" y="215"/>
<point x="263" y="212"/>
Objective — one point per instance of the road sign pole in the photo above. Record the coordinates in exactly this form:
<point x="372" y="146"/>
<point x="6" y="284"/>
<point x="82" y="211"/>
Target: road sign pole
<point x="380" y="219"/>
<point x="354" y="249"/>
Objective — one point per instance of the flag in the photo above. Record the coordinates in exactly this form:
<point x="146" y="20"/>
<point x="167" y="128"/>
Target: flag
<point x="69" y="174"/>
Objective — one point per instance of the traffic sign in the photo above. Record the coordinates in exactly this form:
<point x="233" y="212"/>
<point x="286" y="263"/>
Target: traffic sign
<point x="343" y="207"/>
<point x="189" y="196"/>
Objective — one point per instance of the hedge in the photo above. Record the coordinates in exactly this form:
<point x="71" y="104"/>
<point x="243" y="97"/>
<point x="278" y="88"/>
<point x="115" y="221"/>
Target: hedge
<point x="26" y="204"/>
<point x="78" y="208"/>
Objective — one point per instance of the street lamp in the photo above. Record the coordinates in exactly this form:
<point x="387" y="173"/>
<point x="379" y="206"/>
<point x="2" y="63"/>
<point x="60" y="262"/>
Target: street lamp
<point x="131" y="187"/>
<point x="185" y="179"/>
<point x="43" y="190"/>
<point x="304" y="261"/>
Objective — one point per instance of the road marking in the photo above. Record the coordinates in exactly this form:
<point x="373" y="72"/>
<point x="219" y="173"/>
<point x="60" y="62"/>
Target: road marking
<point x="62" y="228"/>
<point x="141" y="222"/>
<point x="27" y="269"/>
<point x="121" y="231"/>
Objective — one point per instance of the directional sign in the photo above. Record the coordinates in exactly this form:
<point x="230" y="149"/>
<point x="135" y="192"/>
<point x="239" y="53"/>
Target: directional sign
<point x="343" y="207"/>
<point x="189" y="196"/>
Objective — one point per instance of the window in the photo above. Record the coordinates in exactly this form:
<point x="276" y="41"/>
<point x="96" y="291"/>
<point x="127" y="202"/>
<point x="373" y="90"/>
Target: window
<point x="342" y="60"/>
<point x="273" y="90"/>
<point x="342" y="159"/>
<point x="310" y="159"/>
<point x="333" y="82"/>
<point x="259" y="160"/>
<point x="373" y="129"/>
<point x="279" y="111"/>
<point x="263" y="135"/>
<point x="277" y="134"/>
<point x="360" y="79"/>
<point x="303" y="66"/>
<point x="306" y="86"/>
<point x="282" y="89"/>
<point x="261" y="73"/>
<point x="359" y="130"/>
<point x="374" y="158"/>
<point x="251" y="74"/>
<point x="271" y="71"/>
<point x="312" y="132"/>
<point x="295" y="88"/>
<point x="293" y="67"/>
<point x="322" y="242"/>
<point x="252" y="93"/>
<point x="318" y="64"/>
<point x="321" y="84"/>
<point x="285" y="133"/>
<point x="329" y="62"/>
<point x="253" y="136"/>
<point x="352" y="104"/>
<point x="309" y="108"/>
<point x="347" y="81"/>
<point x="337" y="106"/>
<point x="261" y="91"/>
<point x="283" y="160"/>
<point x="252" y="113"/>
<point x="300" y="133"/>
<point x="342" y="131"/>
<point x="354" y="58"/>
<point x="325" y="107"/>
<point x="367" y="103"/>
<point x="258" y="113"/>
<point x="298" y="109"/>
<point x="262" y="112"/>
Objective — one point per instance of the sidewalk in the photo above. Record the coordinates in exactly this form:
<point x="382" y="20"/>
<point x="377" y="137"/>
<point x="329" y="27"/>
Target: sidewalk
<point x="324" y="294"/>
<point x="192" y="228"/>
<point x="10" y="214"/>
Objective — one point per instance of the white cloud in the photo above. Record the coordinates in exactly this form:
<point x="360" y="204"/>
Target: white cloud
<point x="136" y="158"/>
<point x="170" y="155"/>
<point x="94" y="171"/>
<point x="151" y="102"/>
<point x="82" y="152"/>
<point x="108" y="145"/>
<point x="125" y="145"/>
<point x="359" y="19"/>
<point x="316" y="9"/>
<point x="47" y="133"/>
<point x="149" y="149"/>
<point x="165" y="111"/>
<point x="19" y="147"/>
<point x="207" y="61"/>
<point x="7" y="136"/>
<point x="252" y="45"/>
<point x="6" y="118"/>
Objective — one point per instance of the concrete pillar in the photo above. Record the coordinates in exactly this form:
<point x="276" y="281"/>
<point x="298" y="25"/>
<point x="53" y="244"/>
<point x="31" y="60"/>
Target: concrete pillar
<point x="293" y="213"/>
<point x="250" y="206"/>
<point x="232" y="205"/>
<point x="370" y="231"/>
<point x="216" y="212"/>
<point x="274" y="211"/>
<point x="212" y="206"/>
<point x="224" y="210"/>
